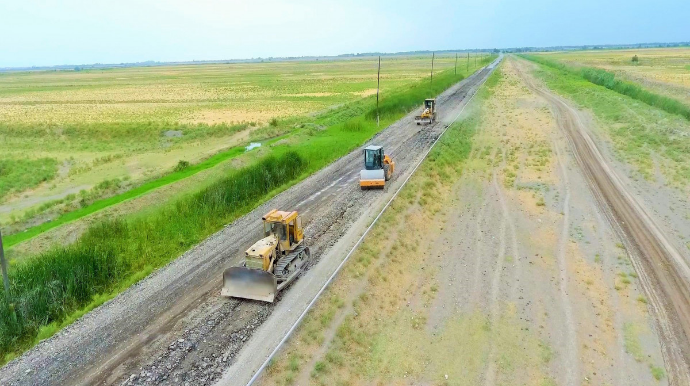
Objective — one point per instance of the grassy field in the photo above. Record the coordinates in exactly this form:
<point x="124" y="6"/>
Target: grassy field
<point x="123" y="127"/>
<point x="666" y="71"/>
<point x="652" y="140"/>
<point x="51" y="289"/>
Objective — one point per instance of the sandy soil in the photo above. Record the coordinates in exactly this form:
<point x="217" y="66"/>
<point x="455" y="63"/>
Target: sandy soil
<point x="515" y="275"/>
<point x="662" y="267"/>
<point x="174" y="327"/>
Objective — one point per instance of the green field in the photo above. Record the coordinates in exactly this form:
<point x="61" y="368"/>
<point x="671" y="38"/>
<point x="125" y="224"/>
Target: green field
<point x="662" y="70"/>
<point x="51" y="289"/>
<point x="104" y="132"/>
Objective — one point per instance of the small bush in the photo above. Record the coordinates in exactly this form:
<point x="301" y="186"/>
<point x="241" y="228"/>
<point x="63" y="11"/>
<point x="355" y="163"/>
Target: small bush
<point x="182" y="165"/>
<point x="657" y="372"/>
<point x="273" y="122"/>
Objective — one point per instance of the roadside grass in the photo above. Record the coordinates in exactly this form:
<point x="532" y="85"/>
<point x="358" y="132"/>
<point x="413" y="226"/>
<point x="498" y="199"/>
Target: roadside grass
<point x="137" y="191"/>
<point x="50" y="290"/>
<point x="607" y="79"/>
<point x="384" y="337"/>
<point x="650" y="139"/>
<point x="663" y="71"/>
<point x="17" y="175"/>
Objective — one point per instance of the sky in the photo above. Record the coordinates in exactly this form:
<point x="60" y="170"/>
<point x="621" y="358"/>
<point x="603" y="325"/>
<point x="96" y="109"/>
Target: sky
<point x="51" y="32"/>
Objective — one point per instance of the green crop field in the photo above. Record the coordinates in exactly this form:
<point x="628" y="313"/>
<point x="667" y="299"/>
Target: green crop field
<point x="81" y="136"/>
<point x="662" y="70"/>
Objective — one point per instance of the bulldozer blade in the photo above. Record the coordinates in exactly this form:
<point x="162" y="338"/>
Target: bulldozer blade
<point x="248" y="283"/>
<point x="372" y="179"/>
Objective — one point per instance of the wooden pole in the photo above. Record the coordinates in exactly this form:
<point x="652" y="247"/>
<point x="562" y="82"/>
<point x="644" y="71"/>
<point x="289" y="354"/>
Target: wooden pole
<point x="378" y="85"/>
<point x="456" y="63"/>
<point x="433" y="54"/>
<point x="3" y="264"/>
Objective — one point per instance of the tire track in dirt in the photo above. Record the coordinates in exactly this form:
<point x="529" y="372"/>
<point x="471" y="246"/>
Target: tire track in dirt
<point x="621" y="370"/>
<point x="479" y="247"/>
<point x="494" y="306"/>
<point x="572" y="364"/>
<point x="661" y="269"/>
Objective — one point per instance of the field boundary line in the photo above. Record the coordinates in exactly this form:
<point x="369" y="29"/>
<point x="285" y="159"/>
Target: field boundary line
<point x="292" y="329"/>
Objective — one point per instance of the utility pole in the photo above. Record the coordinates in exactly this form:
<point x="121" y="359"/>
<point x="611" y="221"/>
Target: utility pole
<point x="378" y="85"/>
<point x="433" y="54"/>
<point x="3" y="264"/>
<point x="468" y="62"/>
<point x="456" y="63"/>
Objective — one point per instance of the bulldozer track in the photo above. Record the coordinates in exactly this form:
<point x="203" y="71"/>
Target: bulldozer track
<point x="284" y="261"/>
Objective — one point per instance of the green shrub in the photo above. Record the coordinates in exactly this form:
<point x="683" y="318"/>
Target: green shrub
<point x="182" y="165"/>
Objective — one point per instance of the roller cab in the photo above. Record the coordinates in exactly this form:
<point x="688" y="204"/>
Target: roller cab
<point x="378" y="168"/>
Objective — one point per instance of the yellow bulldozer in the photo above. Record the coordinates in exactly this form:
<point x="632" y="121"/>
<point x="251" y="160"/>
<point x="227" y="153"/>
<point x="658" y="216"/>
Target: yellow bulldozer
<point x="428" y="112"/>
<point x="272" y="262"/>
<point x="378" y="168"/>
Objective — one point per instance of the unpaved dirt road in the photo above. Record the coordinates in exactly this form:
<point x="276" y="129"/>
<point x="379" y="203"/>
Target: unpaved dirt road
<point x="174" y="328"/>
<point x="511" y="275"/>
<point x="663" y="271"/>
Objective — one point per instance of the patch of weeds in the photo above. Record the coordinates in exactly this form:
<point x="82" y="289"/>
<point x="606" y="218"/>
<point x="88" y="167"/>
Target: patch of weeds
<point x="657" y="372"/>
<point x="334" y="358"/>
<point x="294" y="362"/>
<point x="546" y="353"/>
<point x="548" y="382"/>
<point x="642" y="299"/>
<point x="597" y="258"/>
<point x="320" y="368"/>
<point x="632" y="342"/>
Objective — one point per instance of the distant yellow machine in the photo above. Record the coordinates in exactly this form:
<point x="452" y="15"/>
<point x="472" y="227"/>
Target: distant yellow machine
<point x="428" y="113"/>
<point x="378" y="168"/>
<point x="272" y="262"/>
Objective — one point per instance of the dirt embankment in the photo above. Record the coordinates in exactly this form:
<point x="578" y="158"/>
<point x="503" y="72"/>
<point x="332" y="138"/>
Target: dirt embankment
<point x="174" y="327"/>
<point x="663" y="271"/>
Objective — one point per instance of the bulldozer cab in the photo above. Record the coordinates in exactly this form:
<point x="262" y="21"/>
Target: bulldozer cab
<point x="286" y="226"/>
<point x="430" y="104"/>
<point x="373" y="158"/>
